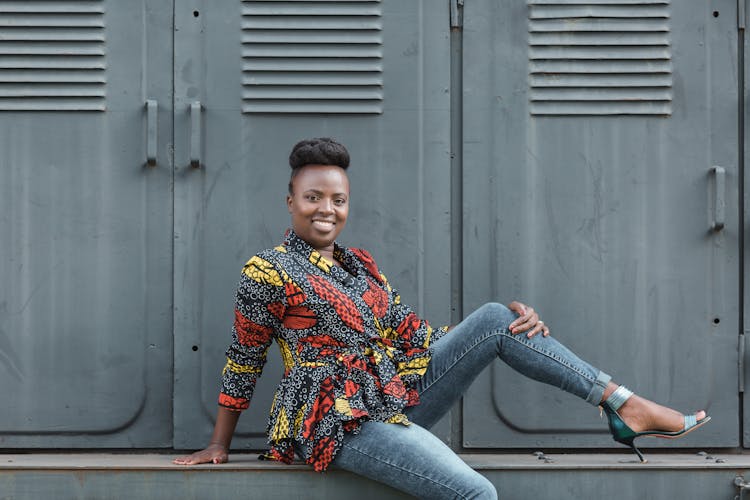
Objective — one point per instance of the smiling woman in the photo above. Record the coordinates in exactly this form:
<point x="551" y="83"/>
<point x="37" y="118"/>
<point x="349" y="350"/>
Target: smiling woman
<point x="364" y="375"/>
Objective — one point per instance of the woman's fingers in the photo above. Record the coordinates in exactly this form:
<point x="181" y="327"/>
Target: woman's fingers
<point x="523" y="312"/>
<point x="545" y="329"/>
<point x="202" y="457"/>
<point x="527" y="321"/>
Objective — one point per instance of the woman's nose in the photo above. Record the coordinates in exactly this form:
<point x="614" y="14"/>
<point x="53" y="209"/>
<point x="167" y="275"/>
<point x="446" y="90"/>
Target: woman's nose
<point x="325" y="206"/>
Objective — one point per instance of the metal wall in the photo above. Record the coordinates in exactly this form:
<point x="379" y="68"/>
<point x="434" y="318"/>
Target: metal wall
<point x="589" y="136"/>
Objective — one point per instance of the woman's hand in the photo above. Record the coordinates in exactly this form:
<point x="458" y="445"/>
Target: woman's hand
<point x="214" y="453"/>
<point x="527" y="321"/>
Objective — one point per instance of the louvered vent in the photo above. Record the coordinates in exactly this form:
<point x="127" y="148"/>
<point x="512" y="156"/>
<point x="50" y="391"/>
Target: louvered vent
<point x="306" y="56"/>
<point x="600" y="57"/>
<point x="52" y="55"/>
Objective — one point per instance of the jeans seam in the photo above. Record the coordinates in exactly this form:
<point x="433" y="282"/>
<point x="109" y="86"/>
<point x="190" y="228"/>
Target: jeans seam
<point x="552" y="356"/>
<point x="378" y="459"/>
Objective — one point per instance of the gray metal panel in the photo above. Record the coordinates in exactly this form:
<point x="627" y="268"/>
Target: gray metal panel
<point x="603" y="225"/>
<point x="233" y="206"/>
<point x="85" y="317"/>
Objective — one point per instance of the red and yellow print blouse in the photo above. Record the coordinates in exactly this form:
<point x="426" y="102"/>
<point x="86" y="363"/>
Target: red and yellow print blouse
<point x="351" y="350"/>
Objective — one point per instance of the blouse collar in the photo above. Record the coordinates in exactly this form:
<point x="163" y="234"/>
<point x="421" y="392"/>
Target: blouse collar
<point x="294" y="243"/>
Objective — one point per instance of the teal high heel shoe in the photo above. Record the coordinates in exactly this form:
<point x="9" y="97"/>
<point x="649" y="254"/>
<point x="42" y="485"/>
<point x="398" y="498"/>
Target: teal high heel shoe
<point x="625" y="435"/>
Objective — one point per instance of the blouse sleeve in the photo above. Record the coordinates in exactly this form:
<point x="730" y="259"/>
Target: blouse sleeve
<point x="401" y="326"/>
<point x="259" y="305"/>
<point x="411" y="331"/>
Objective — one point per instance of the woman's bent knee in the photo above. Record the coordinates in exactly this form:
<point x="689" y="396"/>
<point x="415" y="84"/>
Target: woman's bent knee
<point x="498" y="313"/>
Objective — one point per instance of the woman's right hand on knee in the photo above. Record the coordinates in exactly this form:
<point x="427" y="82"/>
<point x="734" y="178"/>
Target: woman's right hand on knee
<point x="213" y="453"/>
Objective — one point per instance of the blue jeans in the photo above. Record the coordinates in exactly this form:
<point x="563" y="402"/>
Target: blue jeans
<point x="412" y="459"/>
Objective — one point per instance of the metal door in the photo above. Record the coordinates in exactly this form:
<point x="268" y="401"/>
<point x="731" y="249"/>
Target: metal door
<point x="251" y="79"/>
<point x="86" y="219"/>
<point x="591" y="135"/>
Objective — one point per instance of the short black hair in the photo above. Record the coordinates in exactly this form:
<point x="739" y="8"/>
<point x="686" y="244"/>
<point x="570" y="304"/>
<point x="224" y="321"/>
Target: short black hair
<point x="317" y="151"/>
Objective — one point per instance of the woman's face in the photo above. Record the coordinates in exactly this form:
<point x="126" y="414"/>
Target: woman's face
<point x="319" y="205"/>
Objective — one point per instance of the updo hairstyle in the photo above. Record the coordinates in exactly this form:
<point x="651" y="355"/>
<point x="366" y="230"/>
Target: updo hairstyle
<point x="317" y="151"/>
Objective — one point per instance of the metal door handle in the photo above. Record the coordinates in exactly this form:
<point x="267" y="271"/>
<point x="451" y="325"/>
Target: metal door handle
<point x="195" y="134"/>
<point x="719" y="210"/>
<point x="740" y="483"/>
<point x="151" y="131"/>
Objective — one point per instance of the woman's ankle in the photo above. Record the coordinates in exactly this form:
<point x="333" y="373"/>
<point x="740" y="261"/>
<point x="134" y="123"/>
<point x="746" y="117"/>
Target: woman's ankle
<point x="611" y="387"/>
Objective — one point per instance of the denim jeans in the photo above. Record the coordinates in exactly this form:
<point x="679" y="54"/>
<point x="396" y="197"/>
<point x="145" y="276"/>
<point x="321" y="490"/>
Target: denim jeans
<point x="412" y="459"/>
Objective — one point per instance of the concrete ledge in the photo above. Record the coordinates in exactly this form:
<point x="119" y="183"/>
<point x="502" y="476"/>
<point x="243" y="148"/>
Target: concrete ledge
<point x="517" y="476"/>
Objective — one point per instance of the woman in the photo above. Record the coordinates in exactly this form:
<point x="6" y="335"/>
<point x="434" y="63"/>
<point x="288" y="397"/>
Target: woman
<point x="364" y="375"/>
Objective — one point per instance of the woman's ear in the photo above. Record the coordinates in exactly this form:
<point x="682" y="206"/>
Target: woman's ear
<point x="289" y="202"/>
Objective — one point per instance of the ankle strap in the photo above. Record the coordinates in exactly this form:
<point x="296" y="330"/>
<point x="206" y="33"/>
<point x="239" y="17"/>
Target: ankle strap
<point x="618" y="397"/>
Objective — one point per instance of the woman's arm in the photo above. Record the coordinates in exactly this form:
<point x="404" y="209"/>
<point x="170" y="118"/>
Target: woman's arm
<point x="217" y="451"/>
<point x="252" y="334"/>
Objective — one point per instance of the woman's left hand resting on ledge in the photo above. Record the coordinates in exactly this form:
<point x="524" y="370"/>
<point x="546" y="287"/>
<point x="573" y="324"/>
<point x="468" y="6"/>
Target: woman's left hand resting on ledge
<point x="527" y="321"/>
<point x="213" y="453"/>
<point x="217" y="452"/>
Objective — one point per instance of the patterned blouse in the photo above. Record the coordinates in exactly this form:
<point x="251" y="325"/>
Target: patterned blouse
<point x="351" y="350"/>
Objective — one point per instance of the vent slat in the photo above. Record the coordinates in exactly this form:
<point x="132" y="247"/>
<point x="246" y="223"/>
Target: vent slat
<point x="54" y="48"/>
<point x="47" y="20"/>
<point x="51" y="90"/>
<point x="52" y="104"/>
<point x="315" y="50"/>
<point x="312" y="106"/>
<point x="312" y="57"/>
<point x="312" y="78"/>
<point x="69" y="34"/>
<point x="601" y="53"/>
<point x="616" y="39"/>
<point x="598" y="81"/>
<point x="598" y="11"/>
<point x="312" y="23"/>
<point x="52" y="62"/>
<point x="302" y="64"/>
<point x="624" y="68"/>
<point x="634" y="94"/>
<point x="598" y="2"/>
<point x="305" y="35"/>
<point x="337" y="93"/>
<point x="599" y="25"/>
<point x="310" y="9"/>
<point x="52" y="6"/>
<point x="612" y="108"/>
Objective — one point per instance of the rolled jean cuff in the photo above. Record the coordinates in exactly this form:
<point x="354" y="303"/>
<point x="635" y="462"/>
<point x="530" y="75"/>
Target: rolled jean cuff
<point x="597" y="390"/>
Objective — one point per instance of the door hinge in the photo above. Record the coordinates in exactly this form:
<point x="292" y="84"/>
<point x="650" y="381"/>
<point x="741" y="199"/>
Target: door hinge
<point x="741" y="14"/>
<point x="457" y="13"/>
<point x="741" y="363"/>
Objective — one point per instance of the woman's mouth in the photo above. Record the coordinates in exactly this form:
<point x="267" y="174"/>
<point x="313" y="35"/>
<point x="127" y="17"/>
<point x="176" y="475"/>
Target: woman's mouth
<point x="323" y="225"/>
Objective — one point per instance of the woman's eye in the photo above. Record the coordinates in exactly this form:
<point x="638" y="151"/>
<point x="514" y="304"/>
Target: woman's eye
<point x="339" y="202"/>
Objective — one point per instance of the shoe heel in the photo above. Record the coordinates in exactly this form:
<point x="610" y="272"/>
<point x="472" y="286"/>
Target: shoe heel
<point x="630" y="442"/>
<point x="638" y="452"/>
